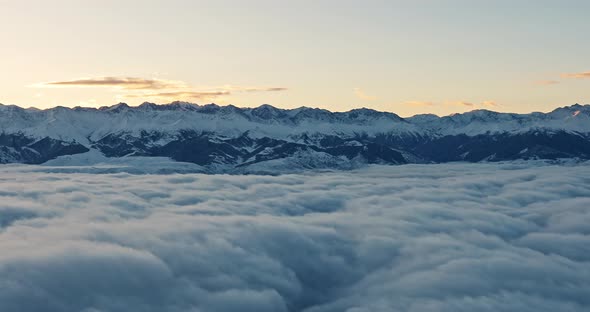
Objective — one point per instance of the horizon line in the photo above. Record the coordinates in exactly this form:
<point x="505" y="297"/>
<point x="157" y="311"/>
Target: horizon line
<point x="285" y="109"/>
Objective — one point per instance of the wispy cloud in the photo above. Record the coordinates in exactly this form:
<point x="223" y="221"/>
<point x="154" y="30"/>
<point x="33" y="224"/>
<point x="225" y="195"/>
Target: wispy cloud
<point x="127" y="83"/>
<point x="363" y="96"/>
<point x="581" y="75"/>
<point x="165" y="90"/>
<point x="201" y="95"/>
<point x="488" y="104"/>
<point x="252" y="89"/>
<point x="459" y="103"/>
<point x="549" y="82"/>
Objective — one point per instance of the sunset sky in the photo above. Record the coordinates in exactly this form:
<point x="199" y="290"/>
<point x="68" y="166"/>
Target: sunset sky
<point x="407" y="57"/>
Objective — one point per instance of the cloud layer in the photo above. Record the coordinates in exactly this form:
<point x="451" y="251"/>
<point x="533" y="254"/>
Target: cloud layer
<point x="456" y="237"/>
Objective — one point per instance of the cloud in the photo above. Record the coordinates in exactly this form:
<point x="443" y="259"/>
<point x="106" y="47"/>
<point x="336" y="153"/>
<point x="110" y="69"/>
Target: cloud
<point x="165" y="90"/>
<point x="208" y="94"/>
<point x="126" y="83"/>
<point x="486" y="104"/>
<point x="363" y="96"/>
<point x="181" y="95"/>
<point x="448" y="237"/>
<point x="581" y="75"/>
<point x="418" y="103"/>
<point x="270" y="89"/>
<point x="546" y="82"/>
<point x="459" y="103"/>
<point x="253" y="89"/>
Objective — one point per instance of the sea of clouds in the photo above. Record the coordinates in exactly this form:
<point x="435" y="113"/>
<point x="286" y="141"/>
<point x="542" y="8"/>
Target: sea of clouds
<point x="451" y="237"/>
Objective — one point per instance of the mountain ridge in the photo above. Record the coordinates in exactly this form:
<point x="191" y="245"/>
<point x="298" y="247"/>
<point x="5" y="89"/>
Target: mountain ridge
<point x="177" y="104"/>
<point x="230" y="138"/>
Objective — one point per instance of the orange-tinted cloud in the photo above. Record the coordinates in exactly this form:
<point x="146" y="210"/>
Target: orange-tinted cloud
<point x="582" y="75"/>
<point x="484" y="104"/>
<point x="459" y="103"/>
<point x="251" y="89"/>
<point x="180" y="95"/>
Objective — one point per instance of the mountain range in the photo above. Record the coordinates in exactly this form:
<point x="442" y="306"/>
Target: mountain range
<point x="266" y="138"/>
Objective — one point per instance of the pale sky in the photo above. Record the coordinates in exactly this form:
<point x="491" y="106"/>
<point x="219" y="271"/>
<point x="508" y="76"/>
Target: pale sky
<point x="407" y="57"/>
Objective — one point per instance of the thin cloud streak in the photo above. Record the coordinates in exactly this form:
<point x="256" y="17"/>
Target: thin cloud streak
<point x="582" y="75"/>
<point x="253" y="89"/>
<point x="127" y="83"/>
<point x="181" y="94"/>
<point x="459" y="103"/>
<point x="487" y="103"/>
<point x="546" y="82"/>
<point x="166" y="90"/>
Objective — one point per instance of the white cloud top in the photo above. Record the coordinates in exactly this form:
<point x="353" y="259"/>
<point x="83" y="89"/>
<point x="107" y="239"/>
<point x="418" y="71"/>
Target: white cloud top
<point x="456" y="237"/>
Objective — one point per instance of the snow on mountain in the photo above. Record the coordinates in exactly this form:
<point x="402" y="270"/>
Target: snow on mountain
<point x="84" y="124"/>
<point x="222" y="136"/>
<point x="570" y="118"/>
<point x="81" y="124"/>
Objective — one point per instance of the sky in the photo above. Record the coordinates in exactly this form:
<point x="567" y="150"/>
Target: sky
<point x="407" y="57"/>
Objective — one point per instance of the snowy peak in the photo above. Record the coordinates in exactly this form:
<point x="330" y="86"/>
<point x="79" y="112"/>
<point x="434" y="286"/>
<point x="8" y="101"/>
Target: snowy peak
<point x="267" y="120"/>
<point x="229" y="138"/>
<point x="267" y="112"/>
<point x="370" y="114"/>
<point x="572" y="111"/>
<point x="117" y="108"/>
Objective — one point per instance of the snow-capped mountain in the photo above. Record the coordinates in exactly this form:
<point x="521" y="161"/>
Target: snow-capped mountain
<point x="229" y="138"/>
